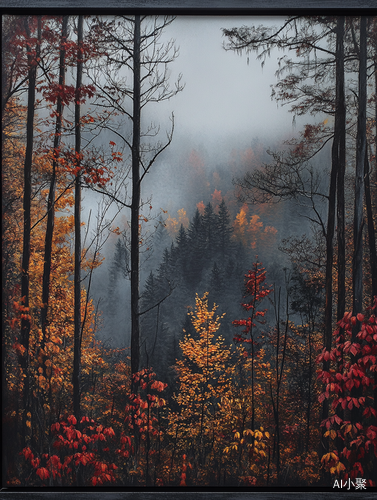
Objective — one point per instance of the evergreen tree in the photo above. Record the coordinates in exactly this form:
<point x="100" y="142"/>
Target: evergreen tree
<point x="118" y="268"/>
<point x="149" y="299"/>
<point x="182" y="251"/>
<point x="197" y="246"/>
<point x="165" y="273"/>
<point x="223" y="232"/>
<point x="216" y="283"/>
<point x="209" y="232"/>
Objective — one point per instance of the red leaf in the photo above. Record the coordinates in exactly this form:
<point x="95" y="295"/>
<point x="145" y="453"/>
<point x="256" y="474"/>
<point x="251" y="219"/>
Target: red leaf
<point x="72" y="420"/>
<point x="43" y="473"/>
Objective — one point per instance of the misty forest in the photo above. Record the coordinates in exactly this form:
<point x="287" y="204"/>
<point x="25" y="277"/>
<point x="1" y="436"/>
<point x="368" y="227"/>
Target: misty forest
<point x="189" y="264"/>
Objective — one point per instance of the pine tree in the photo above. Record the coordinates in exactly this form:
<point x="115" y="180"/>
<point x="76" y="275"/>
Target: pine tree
<point x="216" y="283"/>
<point x="223" y="232"/>
<point x="118" y="269"/>
<point x="197" y="245"/>
<point x="182" y="251"/>
<point x="209" y="223"/>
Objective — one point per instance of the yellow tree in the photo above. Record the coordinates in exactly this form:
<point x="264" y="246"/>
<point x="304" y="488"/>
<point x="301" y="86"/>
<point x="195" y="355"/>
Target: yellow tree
<point x="50" y="368"/>
<point x="204" y="378"/>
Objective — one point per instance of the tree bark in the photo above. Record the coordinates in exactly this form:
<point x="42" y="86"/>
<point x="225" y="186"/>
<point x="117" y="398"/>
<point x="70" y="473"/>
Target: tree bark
<point x="371" y="230"/>
<point x="51" y="196"/>
<point x="340" y="158"/>
<point x="357" y="267"/>
<point x="357" y="263"/>
<point x="327" y="337"/>
<point x="135" y="205"/>
<point x="25" y="322"/>
<point x="77" y="216"/>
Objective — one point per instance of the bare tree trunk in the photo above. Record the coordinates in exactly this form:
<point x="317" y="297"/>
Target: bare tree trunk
<point x="339" y="157"/>
<point x="25" y="322"/>
<point x="375" y="137"/>
<point x="77" y="274"/>
<point x="279" y="375"/>
<point x="309" y="402"/>
<point x="357" y="264"/>
<point x="375" y="207"/>
<point x="135" y="205"/>
<point x="340" y="145"/>
<point x="359" y="177"/>
<point x="51" y="195"/>
<point x="371" y="230"/>
<point x="327" y="337"/>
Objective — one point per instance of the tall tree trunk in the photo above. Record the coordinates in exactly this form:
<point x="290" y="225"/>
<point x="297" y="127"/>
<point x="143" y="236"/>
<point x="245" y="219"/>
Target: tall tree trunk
<point x="373" y="264"/>
<point x="279" y="368"/>
<point x="359" y="177"/>
<point x="77" y="215"/>
<point x="357" y="263"/>
<point x="135" y="205"/>
<point x="371" y="230"/>
<point x="375" y="207"/>
<point x="375" y="124"/>
<point x="336" y="191"/>
<point x="51" y="196"/>
<point x="25" y="322"/>
<point x="309" y="401"/>
<point x="327" y="337"/>
<point x="340" y="157"/>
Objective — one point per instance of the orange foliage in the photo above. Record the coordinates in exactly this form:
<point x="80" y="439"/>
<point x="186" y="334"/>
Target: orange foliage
<point x="201" y="207"/>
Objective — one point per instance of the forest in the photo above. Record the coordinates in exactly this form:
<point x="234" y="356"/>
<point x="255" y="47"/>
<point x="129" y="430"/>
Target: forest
<point x="226" y="339"/>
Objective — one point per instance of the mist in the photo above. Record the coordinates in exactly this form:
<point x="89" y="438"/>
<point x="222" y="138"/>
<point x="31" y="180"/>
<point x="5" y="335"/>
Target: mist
<point x="224" y="123"/>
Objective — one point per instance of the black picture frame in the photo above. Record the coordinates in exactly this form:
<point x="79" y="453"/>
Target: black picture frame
<point x="186" y="7"/>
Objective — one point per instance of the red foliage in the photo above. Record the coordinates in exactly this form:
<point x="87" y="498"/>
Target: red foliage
<point x="255" y="290"/>
<point x="140" y="412"/>
<point x="356" y="367"/>
<point x="185" y="465"/>
<point x="76" y="447"/>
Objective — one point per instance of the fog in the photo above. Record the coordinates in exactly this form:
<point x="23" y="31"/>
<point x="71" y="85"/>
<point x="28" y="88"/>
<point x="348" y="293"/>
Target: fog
<point x="226" y="103"/>
<point x="225" y="121"/>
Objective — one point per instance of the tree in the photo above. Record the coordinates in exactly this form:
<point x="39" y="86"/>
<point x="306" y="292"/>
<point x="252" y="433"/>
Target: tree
<point x="223" y="231"/>
<point x="255" y="291"/>
<point x="132" y="45"/>
<point x="118" y="269"/>
<point x="196" y="245"/>
<point x="339" y="158"/>
<point x="51" y="195"/>
<point x="77" y="209"/>
<point x="33" y="55"/>
<point x="208" y="224"/>
<point x="204" y="379"/>
<point x="359" y="174"/>
<point x="285" y="177"/>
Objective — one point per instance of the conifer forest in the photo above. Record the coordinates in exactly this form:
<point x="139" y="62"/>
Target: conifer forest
<point x="178" y="314"/>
